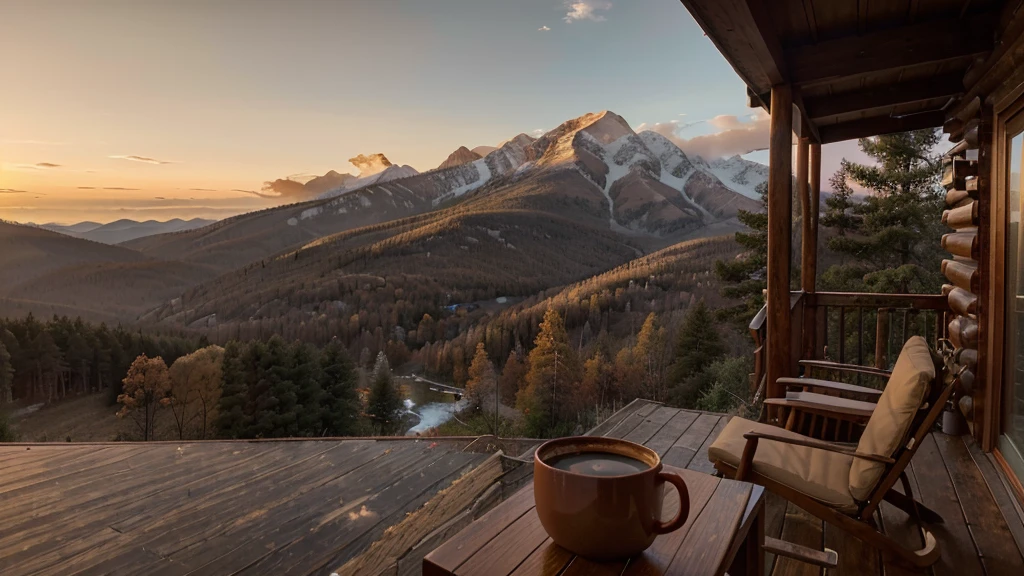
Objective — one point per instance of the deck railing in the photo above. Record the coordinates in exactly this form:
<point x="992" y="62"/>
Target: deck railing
<point x="852" y="328"/>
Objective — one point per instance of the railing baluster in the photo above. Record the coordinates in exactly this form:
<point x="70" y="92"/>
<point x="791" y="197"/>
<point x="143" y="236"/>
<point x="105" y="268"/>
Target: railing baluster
<point x="828" y="310"/>
<point x="906" y="316"/>
<point x="842" y="334"/>
<point x="860" y="338"/>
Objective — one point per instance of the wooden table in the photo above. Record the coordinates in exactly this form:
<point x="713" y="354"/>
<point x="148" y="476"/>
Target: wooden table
<point x="724" y="532"/>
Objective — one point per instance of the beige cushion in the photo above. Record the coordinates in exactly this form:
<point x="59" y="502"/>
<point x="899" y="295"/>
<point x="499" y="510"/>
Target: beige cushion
<point x="820" y="474"/>
<point x="891" y="420"/>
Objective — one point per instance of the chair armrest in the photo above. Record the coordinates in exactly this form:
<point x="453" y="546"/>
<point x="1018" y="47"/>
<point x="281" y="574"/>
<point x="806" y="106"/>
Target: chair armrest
<point x="814" y="383"/>
<point x="826" y="365"/>
<point x="820" y="444"/>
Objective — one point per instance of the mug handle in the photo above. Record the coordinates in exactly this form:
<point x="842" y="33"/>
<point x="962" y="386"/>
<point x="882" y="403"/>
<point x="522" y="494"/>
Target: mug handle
<point x="684" y="504"/>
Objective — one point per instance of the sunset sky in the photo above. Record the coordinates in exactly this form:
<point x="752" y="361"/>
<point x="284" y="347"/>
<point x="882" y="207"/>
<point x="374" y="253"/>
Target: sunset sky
<point x="158" y="109"/>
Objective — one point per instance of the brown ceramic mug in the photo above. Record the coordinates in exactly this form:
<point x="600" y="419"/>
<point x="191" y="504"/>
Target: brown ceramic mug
<point x="604" y="517"/>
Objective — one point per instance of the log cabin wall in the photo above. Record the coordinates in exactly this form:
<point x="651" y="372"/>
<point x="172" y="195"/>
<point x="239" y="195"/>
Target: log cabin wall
<point x="963" y="270"/>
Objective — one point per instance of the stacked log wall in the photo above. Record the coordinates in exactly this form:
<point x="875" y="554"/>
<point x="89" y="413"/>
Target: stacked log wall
<point x="960" y="172"/>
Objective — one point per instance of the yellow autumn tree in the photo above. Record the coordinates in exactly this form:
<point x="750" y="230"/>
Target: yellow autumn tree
<point x="196" y="381"/>
<point x="481" y="382"/>
<point x="548" y="400"/>
<point x="145" y="387"/>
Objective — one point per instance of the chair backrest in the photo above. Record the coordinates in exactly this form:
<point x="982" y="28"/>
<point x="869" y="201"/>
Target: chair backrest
<point x="907" y="390"/>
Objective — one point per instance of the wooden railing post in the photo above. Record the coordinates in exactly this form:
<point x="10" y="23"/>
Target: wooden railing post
<point x="780" y="229"/>
<point x="882" y="338"/>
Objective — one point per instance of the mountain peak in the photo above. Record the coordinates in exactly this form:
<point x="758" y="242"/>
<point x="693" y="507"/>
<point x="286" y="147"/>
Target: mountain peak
<point x="460" y="156"/>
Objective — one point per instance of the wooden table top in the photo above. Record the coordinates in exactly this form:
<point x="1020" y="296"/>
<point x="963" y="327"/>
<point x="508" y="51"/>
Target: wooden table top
<point x="510" y="539"/>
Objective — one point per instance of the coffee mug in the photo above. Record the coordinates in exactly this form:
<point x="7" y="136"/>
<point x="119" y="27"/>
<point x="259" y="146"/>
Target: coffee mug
<point x="601" y="498"/>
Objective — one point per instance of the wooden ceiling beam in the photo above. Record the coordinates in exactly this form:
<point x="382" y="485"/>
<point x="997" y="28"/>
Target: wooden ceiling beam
<point x="880" y="125"/>
<point x="885" y="96"/>
<point x="899" y="47"/>
<point x="743" y="33"/>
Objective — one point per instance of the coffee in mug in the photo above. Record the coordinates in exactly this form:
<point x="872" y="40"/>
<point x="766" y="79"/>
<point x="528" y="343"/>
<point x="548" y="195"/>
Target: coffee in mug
<point x="602" y="498"/>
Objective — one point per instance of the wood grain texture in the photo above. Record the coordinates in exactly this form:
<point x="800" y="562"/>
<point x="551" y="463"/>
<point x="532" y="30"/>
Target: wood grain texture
<point x="780" y="235"/>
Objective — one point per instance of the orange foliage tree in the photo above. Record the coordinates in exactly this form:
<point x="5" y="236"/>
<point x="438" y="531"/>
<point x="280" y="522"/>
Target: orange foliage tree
<point x="145" y="387"/>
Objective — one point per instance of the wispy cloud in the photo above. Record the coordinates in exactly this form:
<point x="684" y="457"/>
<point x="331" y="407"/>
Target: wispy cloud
<point x="33" y="142"/>
<point x="86" y="187"/>
<point x="202" y="190"/>
<point x="144" y="159"/>
<point x="543" y="29"/>
<point x="12" y="191"/>
<point x="586" y="10"/>
<point x="119" y="188"/>
<point x="47" y="165"/>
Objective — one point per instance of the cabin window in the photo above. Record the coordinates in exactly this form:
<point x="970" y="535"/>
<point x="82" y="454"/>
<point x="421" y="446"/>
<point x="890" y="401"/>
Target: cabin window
<point x="1012" y="444"/>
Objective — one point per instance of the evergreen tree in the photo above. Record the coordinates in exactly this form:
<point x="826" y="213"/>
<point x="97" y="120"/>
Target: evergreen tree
<point x="648" y="356"/>
<point x="891" y="235"/>
<point x="698" y="345"/>
<point x="306" y="376"/>
<point x="385" y="402"/>
<point x="480" y="387"/>
<point x="513" y="375"/>
<point x="232" y="420"/>
<point x="339" y="381"/>
<point x="547" y="399"/>
<point x="6" y="375"/>
<point x="746" y="277"/>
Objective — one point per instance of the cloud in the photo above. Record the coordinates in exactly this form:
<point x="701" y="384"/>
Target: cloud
<point x="257" y="194"/>
<point x="144" y="159"/>
<point x="370" y="165"/>
<point x="543" y="29"/>
<point x="47" y="165"/>
<point x="538" y="132"/>
<point x="119" y="188"/>
<point x="586" y="10"/>
<point x="86" y="187"/>
<point x="202" y="190"/>
<point x="12" y="191"/>
<point x="284" y="188"/>
<point x="34" y="142"/>
<point x="734" y="135"/>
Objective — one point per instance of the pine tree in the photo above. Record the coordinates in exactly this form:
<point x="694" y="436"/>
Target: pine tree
<point x="513" y="375"/>
<point x="891" y="235"/>
<point x="232" y="421"/>
<point x="480" y="387"/>
<point x="339" y="381"/>
<point x="385" y="402"/>
<point x="307" y="378"/>
<point x="648" y="356"/>
<point x="698" y="345"/>
<point x="746" y="276"/>
<point x="547" y="398"/>
<point x="6" y="375"/>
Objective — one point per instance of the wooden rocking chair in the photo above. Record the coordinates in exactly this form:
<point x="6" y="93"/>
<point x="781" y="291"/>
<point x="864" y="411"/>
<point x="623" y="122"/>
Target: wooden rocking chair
<point x="838" y="484"/>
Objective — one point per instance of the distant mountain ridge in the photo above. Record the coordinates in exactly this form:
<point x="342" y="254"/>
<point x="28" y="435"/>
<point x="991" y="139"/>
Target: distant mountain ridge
<point x="535" y="213"/>
<point x="124" y="230"/>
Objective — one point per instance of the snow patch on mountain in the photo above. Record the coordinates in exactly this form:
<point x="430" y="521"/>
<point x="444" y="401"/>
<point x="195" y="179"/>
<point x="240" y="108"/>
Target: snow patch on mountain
<point x="739" y="175"/>
<point x="483" y="176"/>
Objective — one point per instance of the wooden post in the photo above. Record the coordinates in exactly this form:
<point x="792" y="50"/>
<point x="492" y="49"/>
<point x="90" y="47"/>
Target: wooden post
<point x="803" y="192"/>
<point x="809" y="262"/>
<point x="780" y="229"/>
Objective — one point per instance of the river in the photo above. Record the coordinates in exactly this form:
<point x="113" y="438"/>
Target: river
<point x="432" y="408"/>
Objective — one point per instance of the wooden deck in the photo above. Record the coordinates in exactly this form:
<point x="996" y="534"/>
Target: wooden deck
<point x="982" y="534"/>
<point x="290" y="507"/>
